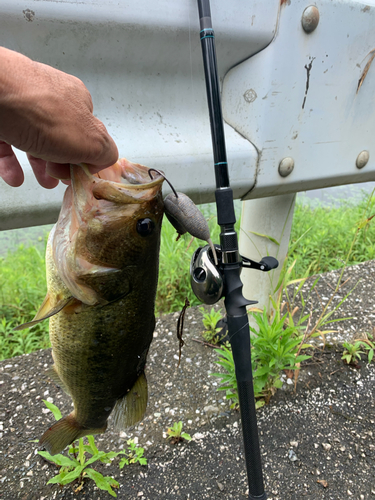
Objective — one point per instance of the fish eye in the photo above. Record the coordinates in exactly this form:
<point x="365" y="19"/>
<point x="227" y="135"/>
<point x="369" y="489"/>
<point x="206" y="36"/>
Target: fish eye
<point x="145" y="227"/>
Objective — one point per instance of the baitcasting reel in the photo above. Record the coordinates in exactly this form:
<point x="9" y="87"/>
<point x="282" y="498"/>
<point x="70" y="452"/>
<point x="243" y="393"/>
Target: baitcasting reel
<point x="207" y="278"/>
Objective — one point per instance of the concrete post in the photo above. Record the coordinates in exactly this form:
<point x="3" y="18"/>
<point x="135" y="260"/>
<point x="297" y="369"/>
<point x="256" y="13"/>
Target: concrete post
<point x="261" y="220"/>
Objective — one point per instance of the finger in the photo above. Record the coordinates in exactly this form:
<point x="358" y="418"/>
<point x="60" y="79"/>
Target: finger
<point x="10" y="169"/>
<point x="39" y="168"/>
<point x="102" y="152"/>
<point x="58" y="170"/>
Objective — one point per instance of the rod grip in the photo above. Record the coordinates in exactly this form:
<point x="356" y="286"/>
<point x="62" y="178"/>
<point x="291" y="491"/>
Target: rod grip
<point x="239" y="334"/>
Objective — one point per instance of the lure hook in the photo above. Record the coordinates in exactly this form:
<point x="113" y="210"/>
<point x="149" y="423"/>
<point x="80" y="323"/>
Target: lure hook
<point x="161" y="173"/>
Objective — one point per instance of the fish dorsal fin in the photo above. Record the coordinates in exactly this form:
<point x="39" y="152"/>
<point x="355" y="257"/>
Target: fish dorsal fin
<point x="46" y="311"/>
<point x="130" y="409"/>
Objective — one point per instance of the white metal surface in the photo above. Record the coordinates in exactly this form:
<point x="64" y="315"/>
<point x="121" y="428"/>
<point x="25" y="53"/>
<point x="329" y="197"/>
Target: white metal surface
<point x="142" y="62"/>
<point x="298" y="98"/>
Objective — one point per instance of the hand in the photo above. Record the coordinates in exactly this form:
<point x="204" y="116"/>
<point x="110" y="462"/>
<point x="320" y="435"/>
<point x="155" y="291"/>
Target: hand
<point x="49" y="115"/>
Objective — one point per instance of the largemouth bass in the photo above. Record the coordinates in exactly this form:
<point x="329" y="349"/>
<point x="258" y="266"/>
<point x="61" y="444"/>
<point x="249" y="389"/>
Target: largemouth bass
<point x="102" y="270"/>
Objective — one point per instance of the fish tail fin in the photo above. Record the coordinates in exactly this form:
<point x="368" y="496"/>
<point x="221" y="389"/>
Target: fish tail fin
<point x="130" y="409"/>
<point x="63" y="433"/>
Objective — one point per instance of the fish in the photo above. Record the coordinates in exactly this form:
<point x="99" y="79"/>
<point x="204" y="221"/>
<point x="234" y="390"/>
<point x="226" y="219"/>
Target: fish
<point x="102" y="261"/>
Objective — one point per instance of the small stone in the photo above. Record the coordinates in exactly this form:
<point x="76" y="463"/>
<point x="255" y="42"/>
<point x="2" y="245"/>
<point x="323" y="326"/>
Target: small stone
<point x="316" y="445"/>
<point x="140" y="494"/>
<point x="198" y="436"/>
<point x="349" y="493"/>
<point x="211" y="410"/>
<point x="30" y="473"/>
<point x="220" y="486"/>
<point x="293" y="444"/>
<point x="326" y="446"/>
<point x="292" y="456"/>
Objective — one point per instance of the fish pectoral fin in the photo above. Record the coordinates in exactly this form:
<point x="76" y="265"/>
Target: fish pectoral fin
<point x="63" y="433"/>
<point x="130" y="409"/>
<point x="52" y="373"/>
<point x="46" y="311"/>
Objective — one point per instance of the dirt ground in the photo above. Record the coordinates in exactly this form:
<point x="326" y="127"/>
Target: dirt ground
<point x="317" y="443"/>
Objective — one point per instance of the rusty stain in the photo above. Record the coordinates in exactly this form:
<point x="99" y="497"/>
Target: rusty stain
<point x="366" y="69"/>
<point x="29" y="15"/>
<point x="366" y="8"/>
<point x="308" y="69"/>
<point x="284" y="2"/>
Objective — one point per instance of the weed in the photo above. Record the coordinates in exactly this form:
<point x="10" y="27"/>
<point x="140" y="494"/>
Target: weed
<point x="73" y="466"/>
<point x="352" y="352"/>
<point x="133" y="455"/>
<point x="210" y="320"/>
<point x="175" y="434"/>
<point x="275" y="347"/>
<point x="228" y="378"/>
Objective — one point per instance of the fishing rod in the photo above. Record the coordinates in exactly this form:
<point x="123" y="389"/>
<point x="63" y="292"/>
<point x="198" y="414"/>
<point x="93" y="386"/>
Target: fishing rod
<point x="212" y="281"/>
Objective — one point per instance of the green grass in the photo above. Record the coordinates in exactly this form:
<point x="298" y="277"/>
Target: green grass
<point x="323" y="248"/>
<point x="22" y="290"/>
<point x="330" y="234"/>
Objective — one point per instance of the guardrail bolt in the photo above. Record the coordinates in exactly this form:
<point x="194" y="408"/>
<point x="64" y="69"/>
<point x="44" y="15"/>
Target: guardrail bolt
<point x="286" y="166"/>
<point x="310" y="19"/>
<point x="362" y="159"/>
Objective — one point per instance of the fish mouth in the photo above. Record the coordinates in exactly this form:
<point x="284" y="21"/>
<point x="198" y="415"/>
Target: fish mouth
<point x="133" y="175"/>
<point x="122" y="183"/>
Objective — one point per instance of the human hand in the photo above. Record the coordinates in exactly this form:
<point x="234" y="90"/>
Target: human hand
<point x="49" y="115"/>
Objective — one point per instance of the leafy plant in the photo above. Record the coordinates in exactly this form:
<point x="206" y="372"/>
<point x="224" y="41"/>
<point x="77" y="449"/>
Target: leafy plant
<point x="276" y="346"/>
<point x="176" y="435"/>
<point x="73" y="466"/>
<point x="228" y="378"/>
<point x="352" y="352"/>
<point x="133" y="455"/>
<point x="210" y="320"/>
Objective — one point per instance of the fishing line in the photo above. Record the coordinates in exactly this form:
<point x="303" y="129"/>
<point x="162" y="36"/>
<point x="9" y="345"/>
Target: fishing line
<point x="180" y="329"/>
